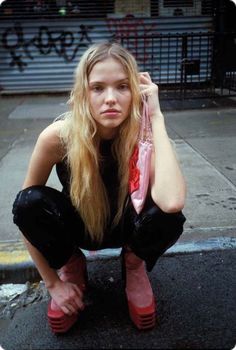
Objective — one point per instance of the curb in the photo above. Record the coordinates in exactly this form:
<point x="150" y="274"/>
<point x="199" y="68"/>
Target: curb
<point x="16" y="265"/>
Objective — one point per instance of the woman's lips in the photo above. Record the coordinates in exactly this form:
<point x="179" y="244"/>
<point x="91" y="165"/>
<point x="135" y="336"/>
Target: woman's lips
<point x="111" y="112"/>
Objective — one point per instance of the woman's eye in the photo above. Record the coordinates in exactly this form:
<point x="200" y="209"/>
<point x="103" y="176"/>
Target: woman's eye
<point x="97" y="88"/>
<point x="123" y="86"/>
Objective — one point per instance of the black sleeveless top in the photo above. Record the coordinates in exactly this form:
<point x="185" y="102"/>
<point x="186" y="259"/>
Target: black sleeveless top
<point x="108" y="171"/>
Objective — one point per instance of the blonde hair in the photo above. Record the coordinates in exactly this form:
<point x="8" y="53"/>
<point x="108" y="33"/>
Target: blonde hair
<point x="87" y="191"/>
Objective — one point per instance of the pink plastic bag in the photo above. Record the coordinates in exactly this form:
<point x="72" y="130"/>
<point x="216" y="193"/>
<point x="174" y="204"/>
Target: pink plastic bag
<point x="140" y="163"/>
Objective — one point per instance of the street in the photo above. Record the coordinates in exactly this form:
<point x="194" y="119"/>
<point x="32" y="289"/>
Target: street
<point x="195" y="296"/>
<point x="194" y="284"/>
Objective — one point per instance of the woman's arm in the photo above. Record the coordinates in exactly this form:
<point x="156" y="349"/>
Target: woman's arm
<point x="168" y="188"/>
<point x="47" y="152"/>
<point x="67" y="295"/>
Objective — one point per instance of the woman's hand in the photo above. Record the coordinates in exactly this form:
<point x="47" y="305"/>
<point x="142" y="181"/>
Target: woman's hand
<point x="67" y="296"/>
<point x="150" y="91"/>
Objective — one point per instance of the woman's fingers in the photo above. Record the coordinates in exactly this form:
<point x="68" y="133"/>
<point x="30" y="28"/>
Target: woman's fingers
<point x="145" y="77"/>
<point x="146" y="74"/>
<point x="78" y="291"/>
<point x="146" y="83"/>
<point x="69" y="310"/>
<point x="68" y="297"/>
<point x="78" y="300"/>
<point x="148" y="90"/>
<point x="72" y="307"/>
<point x="75" y="299"/>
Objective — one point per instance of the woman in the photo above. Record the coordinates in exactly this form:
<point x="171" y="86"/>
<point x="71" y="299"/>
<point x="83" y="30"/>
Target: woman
<point x="91" y="147"/>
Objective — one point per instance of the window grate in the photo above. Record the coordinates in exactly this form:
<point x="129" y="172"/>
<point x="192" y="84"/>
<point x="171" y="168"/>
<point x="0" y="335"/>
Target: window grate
<point x="26" y="9"/>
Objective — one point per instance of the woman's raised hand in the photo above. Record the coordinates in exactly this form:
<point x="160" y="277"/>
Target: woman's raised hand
<point x="150" y="91"/>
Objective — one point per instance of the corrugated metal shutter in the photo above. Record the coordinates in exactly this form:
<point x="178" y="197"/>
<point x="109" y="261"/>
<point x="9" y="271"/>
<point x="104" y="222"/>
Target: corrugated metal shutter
<point x="41" y="55"/>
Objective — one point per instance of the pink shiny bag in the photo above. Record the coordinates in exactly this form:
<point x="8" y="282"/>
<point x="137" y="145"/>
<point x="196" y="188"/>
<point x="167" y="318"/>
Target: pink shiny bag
<point x="140" y="163"/>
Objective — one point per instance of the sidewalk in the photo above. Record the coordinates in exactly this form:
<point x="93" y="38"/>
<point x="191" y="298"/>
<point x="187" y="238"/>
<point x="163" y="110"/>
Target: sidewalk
<point x="204" y="135"/>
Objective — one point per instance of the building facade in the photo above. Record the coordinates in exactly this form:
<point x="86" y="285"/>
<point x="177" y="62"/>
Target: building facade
<point x="41" y="41"/>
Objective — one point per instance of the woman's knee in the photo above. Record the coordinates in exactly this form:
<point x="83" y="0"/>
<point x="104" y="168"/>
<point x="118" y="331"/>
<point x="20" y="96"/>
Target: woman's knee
<point x="26" y="200"/>
<point x="154" y="232"/>
<point x="30" y="201"/>
<point x="154" y="218"/>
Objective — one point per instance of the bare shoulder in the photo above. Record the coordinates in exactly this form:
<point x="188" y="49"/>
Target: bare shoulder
<point x="52" y="131"/>
<point x="49" y="140"/>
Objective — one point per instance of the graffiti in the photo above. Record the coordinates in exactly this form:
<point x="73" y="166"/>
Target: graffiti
<point x="66" y="44"/>
<point x="134" y="33"/>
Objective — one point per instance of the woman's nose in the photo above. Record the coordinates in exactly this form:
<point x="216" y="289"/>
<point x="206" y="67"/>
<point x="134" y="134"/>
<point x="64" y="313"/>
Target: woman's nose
<point x="110" y="97"/>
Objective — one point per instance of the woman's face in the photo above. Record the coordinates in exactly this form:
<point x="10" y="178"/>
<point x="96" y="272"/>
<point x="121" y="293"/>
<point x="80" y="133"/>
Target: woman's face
<point x="109" y="96"/>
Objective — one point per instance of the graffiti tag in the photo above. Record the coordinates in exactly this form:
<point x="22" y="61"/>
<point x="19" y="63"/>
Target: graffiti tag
<point x="134" y="33"/>
<point x="66" y="44"/>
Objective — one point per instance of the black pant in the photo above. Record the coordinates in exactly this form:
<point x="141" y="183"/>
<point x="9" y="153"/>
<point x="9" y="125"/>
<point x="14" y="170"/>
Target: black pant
<point x="49" y="221"/>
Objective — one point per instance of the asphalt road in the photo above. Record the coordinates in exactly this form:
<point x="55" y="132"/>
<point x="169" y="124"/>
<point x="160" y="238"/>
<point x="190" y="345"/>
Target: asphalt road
<point x="196" y="309"/>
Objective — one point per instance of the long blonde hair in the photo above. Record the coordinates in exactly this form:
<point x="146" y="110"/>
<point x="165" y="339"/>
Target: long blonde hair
<point x="81" y="140"/>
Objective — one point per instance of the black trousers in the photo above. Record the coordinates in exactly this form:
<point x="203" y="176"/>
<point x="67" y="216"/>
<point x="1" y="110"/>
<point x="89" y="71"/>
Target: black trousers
<point x="48" y="220"/>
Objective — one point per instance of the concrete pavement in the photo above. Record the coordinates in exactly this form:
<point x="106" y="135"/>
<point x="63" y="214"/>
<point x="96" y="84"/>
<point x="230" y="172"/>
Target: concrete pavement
<point x="195" y="298"/>
<point x="205" y="143"/>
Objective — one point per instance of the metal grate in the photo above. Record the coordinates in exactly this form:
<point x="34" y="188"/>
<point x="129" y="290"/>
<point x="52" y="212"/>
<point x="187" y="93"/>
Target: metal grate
<point x="178" y="3"/>
<point x="184" y="63"/>
<point x="26" y="9"/>
<point x="208" y="7"/>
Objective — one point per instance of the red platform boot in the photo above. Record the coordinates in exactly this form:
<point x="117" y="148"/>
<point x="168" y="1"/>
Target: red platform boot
<point x="139" y="292"/>
<point x="75" y="271"/>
